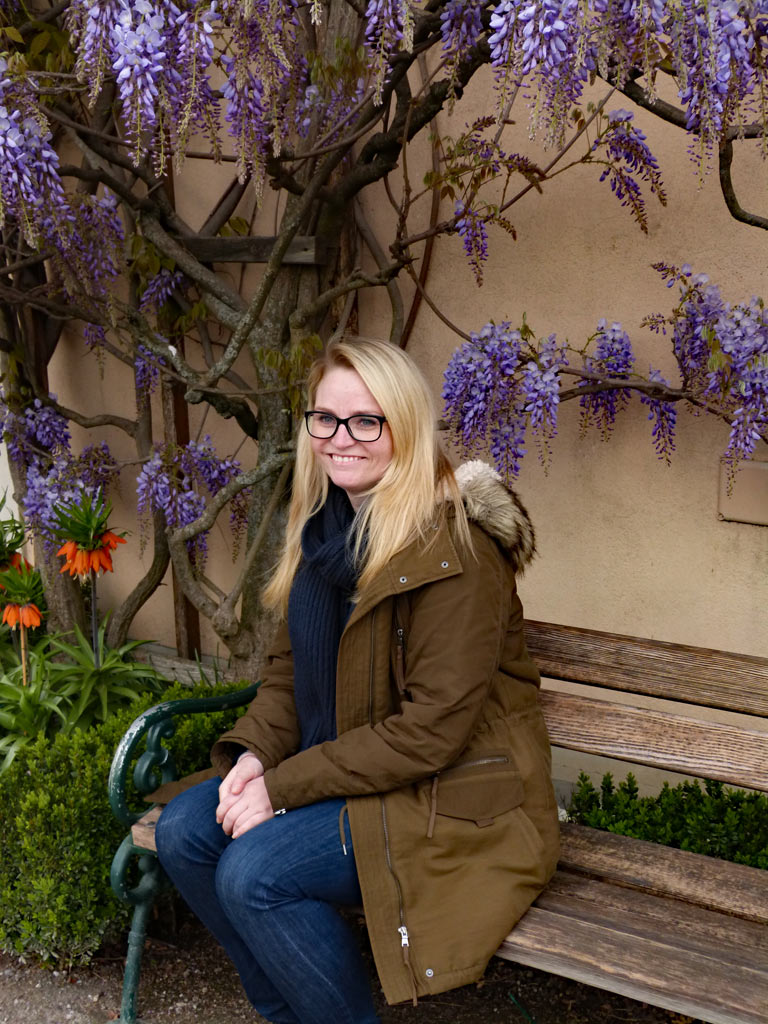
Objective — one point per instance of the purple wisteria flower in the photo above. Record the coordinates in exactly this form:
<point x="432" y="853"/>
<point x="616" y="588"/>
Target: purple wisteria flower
<point x="663" y="415"/>
<point x="37" y="433"/>
<point x="474" y="236"/>
<point x="30" y="186"/>
<point x="139" y="63"/>
<point x="147" y="367"/>
<point x="38" y="439"/>
<point x="613" y="360"/>
<point x="480" y="383"/>
<point x="461" y="27"/>
<point x="625" y="150"/>
<point x="540" y="387"/>
<point x="388" y="25"/>
<point x="496" y="388"/>
<point x="544" y="43"/>
<point x="171" y="482"/>
<point x="714" y="50"/>
<point x="190" y="48"/>
<point x="160" y="288"/>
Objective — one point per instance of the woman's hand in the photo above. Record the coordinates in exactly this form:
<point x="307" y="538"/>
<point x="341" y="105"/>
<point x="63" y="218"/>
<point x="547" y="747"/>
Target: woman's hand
<point x="243" y="798"/>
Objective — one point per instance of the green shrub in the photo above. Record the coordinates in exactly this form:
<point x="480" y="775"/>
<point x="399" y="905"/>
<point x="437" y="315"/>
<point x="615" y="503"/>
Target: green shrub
<point x="58" y="834"/>
<point x="727" y="823"/>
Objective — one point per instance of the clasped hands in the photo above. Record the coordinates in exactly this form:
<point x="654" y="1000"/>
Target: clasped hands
<point x="243" y="798"/>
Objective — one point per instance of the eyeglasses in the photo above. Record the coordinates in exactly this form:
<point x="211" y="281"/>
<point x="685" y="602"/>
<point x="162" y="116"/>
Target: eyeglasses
<point x="364" y="427"/>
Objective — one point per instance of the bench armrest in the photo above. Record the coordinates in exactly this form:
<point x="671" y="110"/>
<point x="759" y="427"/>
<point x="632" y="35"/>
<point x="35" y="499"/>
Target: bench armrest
<point x="157" y="724"/>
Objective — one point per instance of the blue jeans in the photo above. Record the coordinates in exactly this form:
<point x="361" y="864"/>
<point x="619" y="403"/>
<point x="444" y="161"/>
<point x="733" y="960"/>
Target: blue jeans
<point x="270" y="899"/>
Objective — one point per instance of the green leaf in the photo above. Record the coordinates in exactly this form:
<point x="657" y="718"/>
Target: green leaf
<point x="39" y="43"/>
<point x="239" y="225"/>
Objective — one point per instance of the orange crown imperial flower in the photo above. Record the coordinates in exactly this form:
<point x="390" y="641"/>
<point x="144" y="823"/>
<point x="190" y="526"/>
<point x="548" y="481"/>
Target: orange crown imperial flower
<point x="22" y="614"/>
<point x="79" y="562"/>
<point x="88" y="542"/>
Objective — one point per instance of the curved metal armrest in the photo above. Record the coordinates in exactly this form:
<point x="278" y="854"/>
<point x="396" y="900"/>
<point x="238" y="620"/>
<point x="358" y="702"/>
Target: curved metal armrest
<point x="158" y="723"/>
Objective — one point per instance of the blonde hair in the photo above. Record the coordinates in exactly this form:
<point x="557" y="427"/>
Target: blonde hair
<point x="417" y="487"/>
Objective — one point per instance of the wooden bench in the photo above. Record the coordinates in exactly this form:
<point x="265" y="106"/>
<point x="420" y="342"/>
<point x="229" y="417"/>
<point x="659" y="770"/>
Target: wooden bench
<point x="678" y="930"/>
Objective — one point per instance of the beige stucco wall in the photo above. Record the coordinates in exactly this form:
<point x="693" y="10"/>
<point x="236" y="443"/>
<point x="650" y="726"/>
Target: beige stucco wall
<point x="625" y="543"/>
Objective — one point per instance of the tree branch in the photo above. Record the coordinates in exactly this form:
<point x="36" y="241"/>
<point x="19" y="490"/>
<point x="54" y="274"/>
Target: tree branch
<point x="676" y="115"/>
<point x="395" y="298"/>
<point x="225" y="207"/>
<point x="223" y="619"/>
<point x="729" y="195"/>
<point x="435" y="309"/>
<point x="206" y="519"/>
<point x="298" y="319"/>
<point x="120" y="622"/>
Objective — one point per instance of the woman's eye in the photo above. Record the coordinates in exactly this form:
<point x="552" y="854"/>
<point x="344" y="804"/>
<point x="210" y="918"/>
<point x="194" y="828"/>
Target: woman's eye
<point x="367" y="422"/>
<point x="325" y="418"/>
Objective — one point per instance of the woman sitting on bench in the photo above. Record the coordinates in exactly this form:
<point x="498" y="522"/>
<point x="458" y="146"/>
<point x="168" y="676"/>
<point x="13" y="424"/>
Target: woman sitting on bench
<point x="395" y="755"/>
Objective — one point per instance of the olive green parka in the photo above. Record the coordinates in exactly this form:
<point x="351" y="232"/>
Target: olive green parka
<point x="441" y="750"/>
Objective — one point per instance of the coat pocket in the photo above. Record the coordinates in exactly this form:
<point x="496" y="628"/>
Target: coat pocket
<point x="478" y="790"/>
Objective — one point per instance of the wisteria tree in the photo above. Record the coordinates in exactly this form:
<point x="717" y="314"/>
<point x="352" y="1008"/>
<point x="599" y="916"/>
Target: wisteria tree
<point x="99" y="99"/>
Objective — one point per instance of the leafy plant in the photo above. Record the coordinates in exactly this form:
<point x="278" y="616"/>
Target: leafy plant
<point x="98" y="680"/>
<point x="66" y="688"/>
<point x="719" y="822"/>
<point x="29" y="708"/>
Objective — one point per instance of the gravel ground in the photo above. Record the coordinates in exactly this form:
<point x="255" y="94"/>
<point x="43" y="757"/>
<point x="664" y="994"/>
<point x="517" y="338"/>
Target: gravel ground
<point x="190" y="981"/>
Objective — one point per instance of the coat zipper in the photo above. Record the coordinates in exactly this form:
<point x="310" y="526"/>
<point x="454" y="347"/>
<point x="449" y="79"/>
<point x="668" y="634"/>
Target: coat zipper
<point x="477" y="763"/>
<point x="400" y="660"/>
<point x="402" y="930"/>
<point x="370" y="670"/>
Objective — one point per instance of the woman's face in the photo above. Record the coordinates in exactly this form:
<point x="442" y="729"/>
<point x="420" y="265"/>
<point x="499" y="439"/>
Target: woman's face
<point x="355" y="466"/>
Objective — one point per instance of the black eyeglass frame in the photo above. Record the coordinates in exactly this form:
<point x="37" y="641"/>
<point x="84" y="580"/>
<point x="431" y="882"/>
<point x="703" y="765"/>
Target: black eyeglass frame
<point x="345" y="423"/>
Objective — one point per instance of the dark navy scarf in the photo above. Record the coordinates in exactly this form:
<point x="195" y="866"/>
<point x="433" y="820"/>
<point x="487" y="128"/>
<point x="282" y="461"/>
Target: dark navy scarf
<point x="319" y="605"/>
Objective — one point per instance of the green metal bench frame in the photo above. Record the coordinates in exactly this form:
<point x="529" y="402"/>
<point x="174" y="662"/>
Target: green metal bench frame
<point x="154" y="766"/>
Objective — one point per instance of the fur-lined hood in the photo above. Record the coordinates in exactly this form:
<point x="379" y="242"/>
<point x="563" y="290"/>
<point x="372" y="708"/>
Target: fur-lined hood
<point x="498" y="510"/>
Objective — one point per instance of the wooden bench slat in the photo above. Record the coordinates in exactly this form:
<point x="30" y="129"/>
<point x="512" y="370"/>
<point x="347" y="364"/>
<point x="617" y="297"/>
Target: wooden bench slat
<point x="707" y="881"/>
<point x="720" y="679"/>
<point x="693" y="927"/>
<point x="651" y="970"/>
<point x="143" y="832"/>
<point x="709" y="750"/>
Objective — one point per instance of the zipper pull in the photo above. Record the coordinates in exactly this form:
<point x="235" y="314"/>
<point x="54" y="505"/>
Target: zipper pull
<point x="403" y="935"/>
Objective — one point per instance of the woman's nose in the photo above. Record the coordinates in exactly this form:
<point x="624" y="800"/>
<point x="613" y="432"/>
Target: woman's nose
<point x="342" y="438"/>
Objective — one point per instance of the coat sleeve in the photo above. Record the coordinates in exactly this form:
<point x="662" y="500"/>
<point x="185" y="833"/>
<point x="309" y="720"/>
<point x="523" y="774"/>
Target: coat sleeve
<point x="456" y="637"/>
<point x="270" y="727"/>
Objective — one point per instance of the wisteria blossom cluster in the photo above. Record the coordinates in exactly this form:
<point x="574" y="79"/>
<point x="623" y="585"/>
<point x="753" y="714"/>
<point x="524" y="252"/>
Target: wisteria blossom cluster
<point x="160" y="57"/>
<point x="31" y="192"/>
<point x="503" y="385"/>
<point x="722" y="352"/>
<point x="38" y="438"/>
<point x="629" y="161"/>
<point x="613" y="359"/>
<point x="82" y="233"/>
<point x="173" y="483"/>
